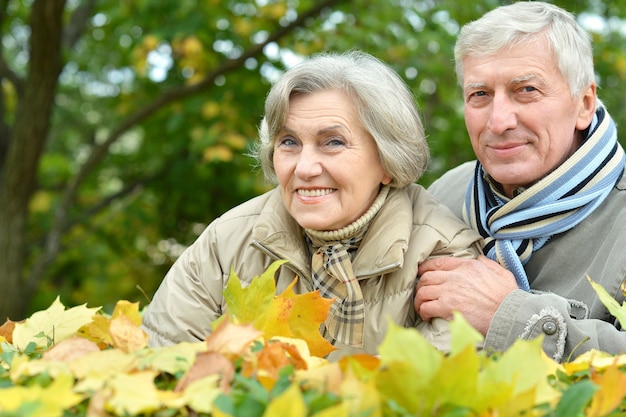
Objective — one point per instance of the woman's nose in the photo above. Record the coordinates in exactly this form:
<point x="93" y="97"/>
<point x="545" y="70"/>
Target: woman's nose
<point x="309" y="163"/>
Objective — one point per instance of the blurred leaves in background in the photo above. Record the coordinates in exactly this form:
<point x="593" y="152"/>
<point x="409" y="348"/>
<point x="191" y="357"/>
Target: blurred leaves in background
<point x="153" y="107"/>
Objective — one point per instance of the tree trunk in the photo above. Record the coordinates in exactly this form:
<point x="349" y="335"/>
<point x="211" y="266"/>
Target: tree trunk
<point x="28" y="136"/>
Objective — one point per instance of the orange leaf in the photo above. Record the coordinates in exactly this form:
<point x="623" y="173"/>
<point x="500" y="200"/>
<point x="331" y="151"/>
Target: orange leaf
<point x="612" y="384"/>
<point x="6" y="330"/>
<point x="308" y="312"/>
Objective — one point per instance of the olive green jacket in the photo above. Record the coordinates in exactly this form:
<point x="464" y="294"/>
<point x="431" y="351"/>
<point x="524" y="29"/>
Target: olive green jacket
<point x="562" y="306"/>
<point x="410" y="227"/>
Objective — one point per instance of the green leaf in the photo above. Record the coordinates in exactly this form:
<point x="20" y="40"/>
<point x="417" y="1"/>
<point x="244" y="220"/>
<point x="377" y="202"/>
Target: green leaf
<point x="619" y="312"/>
<point x="575" y="399"/>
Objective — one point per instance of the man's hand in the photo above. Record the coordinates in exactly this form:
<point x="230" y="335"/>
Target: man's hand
<point x="474" y="287"/>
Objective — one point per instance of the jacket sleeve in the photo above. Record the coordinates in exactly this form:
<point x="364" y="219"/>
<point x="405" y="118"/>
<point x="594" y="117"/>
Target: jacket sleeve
<point x="556" y="319"/>
<point x="190" y="297"/>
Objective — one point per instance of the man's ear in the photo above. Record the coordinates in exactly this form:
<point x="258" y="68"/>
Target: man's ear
<point x="587" y="103"/>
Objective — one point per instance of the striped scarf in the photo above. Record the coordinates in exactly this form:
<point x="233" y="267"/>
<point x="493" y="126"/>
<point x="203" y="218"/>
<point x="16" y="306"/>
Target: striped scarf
<point x="331" y="267"/>
<point x="514" y="228"/>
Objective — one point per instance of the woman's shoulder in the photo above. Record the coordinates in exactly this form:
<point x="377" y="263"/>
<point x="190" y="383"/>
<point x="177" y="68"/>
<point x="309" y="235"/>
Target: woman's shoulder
<point x="254" y="206"/>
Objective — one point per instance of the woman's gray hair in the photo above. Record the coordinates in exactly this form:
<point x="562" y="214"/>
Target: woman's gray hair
<point x="383" y="101"/>
<point x="508" y="26"/>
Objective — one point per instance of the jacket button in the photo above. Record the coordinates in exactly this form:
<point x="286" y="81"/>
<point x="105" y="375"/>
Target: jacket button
<point x="549" y="327"/>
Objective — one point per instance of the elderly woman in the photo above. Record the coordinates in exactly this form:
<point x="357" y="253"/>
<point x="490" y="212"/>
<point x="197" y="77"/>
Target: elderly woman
<point x="344" y="142"/>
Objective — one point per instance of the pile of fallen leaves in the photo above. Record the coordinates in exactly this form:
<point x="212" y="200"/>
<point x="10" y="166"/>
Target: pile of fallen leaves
<point x="266" y="359"/>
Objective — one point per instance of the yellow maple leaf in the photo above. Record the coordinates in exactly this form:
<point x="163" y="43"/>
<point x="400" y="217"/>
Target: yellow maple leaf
<point x="199" y="395"/>
<point x="134" y="394"/>
<point x="99" y="329"/>
<point x="360" y="396"/>
<point x="52" y="325"/>
<point x="287" y="315"/>
<point x="172" y="359"/>
<point x="95" y="369"/>
<point x="127" y="335"/>
<point x="514" y="386"/>
<point x="289" y="403"/>
<point x="405" y="374"/>
<point x="612" y="383"/>
<point x="246" y="305"/>
<point x="50" y="401"/>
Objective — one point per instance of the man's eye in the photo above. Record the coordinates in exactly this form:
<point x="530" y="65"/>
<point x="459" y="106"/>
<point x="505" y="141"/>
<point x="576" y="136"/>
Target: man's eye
<point x="529" y="89"/>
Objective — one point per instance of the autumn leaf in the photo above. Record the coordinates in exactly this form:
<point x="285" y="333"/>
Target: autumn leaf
<point x="38" y="401"/>
<point x="270" y="360"/>
<point x="232" y="339"/>
<point x="209" y="363"/>
<point x="288" y="314"/>
<point x="6" y="331"/>
<point x="70" y="349"/>
<point x="134" y="393"/>
<point x="199" y="395"/>
<point x="246" y="305"/>
<point x="361" y="396"/>
<point x="612" y="384"/>
<point x="405" y="374"/>
<point x="127" y="335"/>
<point x="619" y="312"/>
<point x="513" y="385"/>
<point x="593" y="358"/>
<point x="52" y="325"/>
<point x="95" y="369"/>
<point x="175" y="359"/>
<point x="308" y="312"/>
<point x="289" y="403"/>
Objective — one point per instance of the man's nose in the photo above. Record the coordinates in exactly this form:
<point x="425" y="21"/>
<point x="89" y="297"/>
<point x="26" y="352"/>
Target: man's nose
<point x="503" y="115"/>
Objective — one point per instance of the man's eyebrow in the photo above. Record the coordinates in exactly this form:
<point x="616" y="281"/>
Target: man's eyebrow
<point x="474" y="86"/>
<point x="524" y="78"/>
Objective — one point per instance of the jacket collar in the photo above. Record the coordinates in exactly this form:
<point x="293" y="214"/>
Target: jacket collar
<point x="381" y="251"/>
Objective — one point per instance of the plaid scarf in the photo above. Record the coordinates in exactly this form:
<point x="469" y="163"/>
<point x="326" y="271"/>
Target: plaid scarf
<point x="515" y="228"/>
<point x="331" y="267"/>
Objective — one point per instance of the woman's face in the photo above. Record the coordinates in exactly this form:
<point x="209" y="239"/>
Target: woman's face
<point x="327" y="164"/>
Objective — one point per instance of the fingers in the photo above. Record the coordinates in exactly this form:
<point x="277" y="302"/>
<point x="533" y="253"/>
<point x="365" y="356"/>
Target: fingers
<point x="428" y="305"/>
<point x="446" y="263"/>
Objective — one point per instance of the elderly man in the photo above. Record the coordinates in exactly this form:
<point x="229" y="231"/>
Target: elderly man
<point x="547" y="191"/>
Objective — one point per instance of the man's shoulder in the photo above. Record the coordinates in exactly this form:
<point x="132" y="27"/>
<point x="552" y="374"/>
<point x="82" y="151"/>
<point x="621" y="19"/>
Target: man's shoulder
<point x="451" y="187"/>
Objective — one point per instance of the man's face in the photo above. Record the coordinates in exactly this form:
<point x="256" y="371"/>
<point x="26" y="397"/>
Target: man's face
<point x="520" y="115"/>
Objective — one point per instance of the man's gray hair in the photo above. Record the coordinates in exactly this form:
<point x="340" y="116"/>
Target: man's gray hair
<point x="511" y="25"/>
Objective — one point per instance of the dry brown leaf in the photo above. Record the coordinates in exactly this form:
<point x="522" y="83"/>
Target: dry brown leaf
<point x="209" y="363"/>
<point x="232" y="339"/>
<point x="70" y="349"/>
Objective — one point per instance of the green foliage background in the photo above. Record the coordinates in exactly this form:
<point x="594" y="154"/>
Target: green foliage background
<point x="158" y="102"/>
